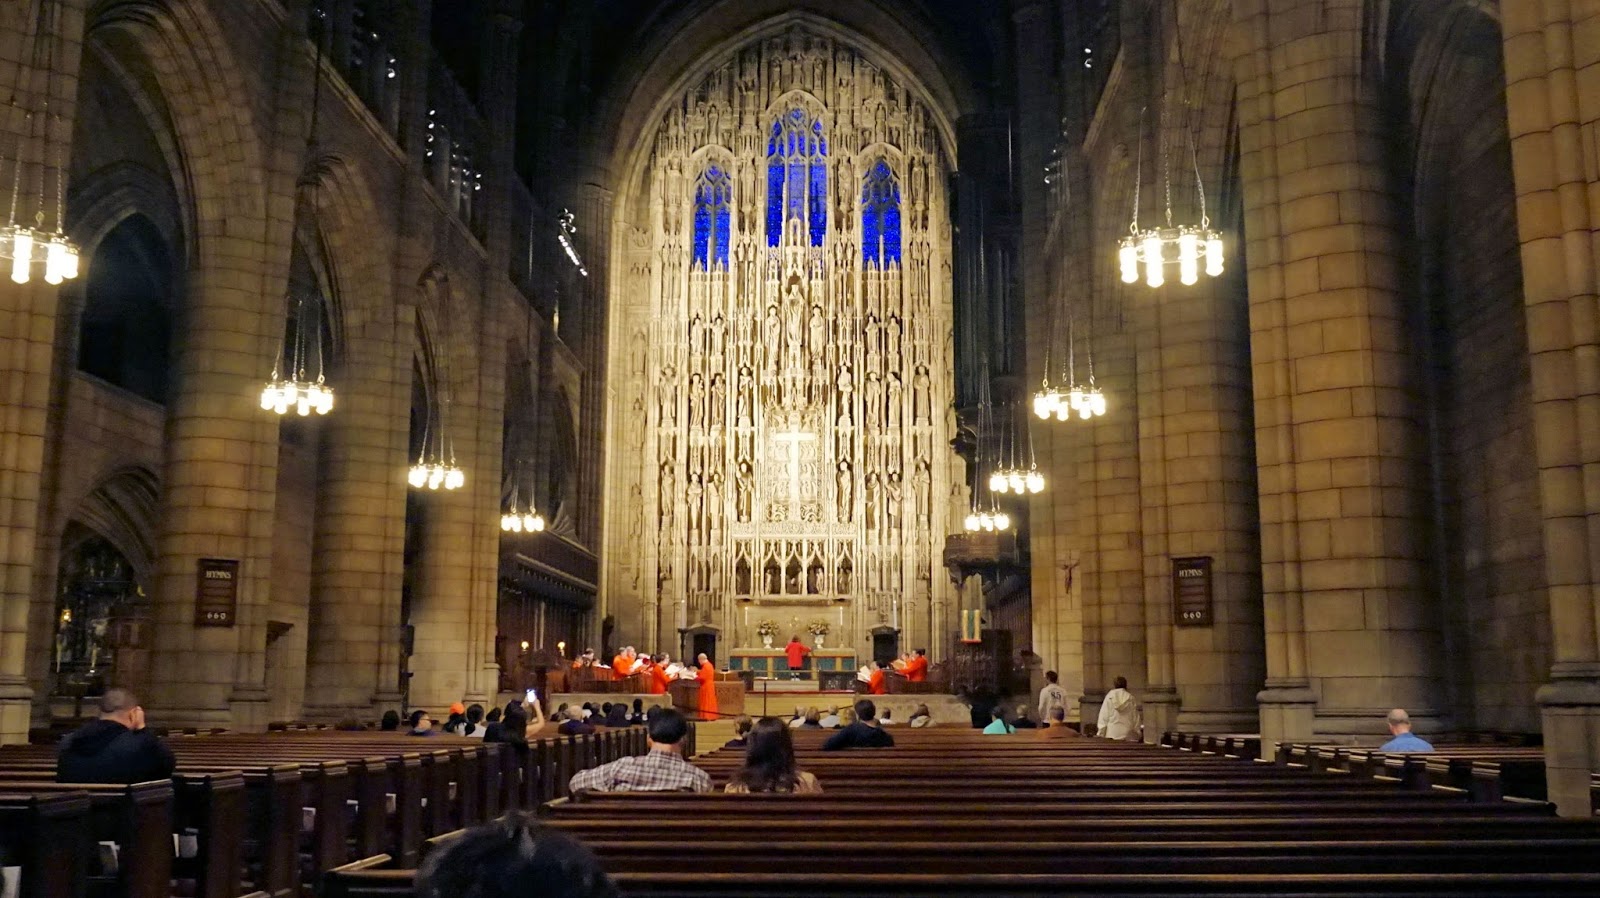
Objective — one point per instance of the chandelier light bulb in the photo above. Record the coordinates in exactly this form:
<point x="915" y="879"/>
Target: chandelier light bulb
<point x="1097" y="403"/>
<point x="1085" y="412"/>
<point x="435" y="477"/>
<point x="21" y="256"/>
<point x="454" y="478"/>
<point x="1188" y="258"/>
<point x="1044" y="402"/>
<point x="1063" y="411"/>
<point x="1128" y="259"/>
<point x="1214" y="255"/>
<point x="972" y="522"/>
<point x="1075" y="399"/>
<point x="1017" y="481"/>
<point x="417" y="476"/>
<point x="1002" y="521"/>
<point x="997" y="481"/>
<point x="1154" y="275"/>
<point x="1035" y="482"/>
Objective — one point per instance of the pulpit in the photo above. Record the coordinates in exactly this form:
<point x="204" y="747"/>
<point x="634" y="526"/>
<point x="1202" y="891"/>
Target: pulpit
<point x="730" y="695"/>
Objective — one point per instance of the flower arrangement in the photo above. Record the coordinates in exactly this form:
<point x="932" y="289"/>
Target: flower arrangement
<point x="818" y="627"/>
<point x="767" y="628"/>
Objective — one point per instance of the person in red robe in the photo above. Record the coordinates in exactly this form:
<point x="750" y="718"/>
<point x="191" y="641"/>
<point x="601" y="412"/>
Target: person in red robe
<point x="916" y="669"/>
<point x="875" y="684"/>
<point x="708" y="688"/>
<point x="797" y="652"/>
<point x="622" y="665"/>
<point x="656" y="668"/>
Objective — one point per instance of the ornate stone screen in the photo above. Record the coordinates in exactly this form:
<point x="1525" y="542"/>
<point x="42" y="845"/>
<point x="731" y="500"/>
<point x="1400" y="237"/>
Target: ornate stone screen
<point x="780" y="428"/>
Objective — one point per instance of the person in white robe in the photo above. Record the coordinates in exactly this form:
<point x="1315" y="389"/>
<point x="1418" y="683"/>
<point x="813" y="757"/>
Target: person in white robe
<point x="1119" y="713"/>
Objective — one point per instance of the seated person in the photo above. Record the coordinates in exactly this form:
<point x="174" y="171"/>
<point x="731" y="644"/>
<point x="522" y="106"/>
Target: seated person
<point x="1400" y="728"/>
<point x="741" y="732"/>
<point x="617" y="716"/>
<point x="998" y="726"/>
<point x="421" y="724"/>
<point x="812" y="720"/>
<point x="863" y="733"/>
<point x="116" y="748"/>
<point x="513" y="857"/>
<point x="661" y="769"/>
<point x="391" y="721"/>
<point x="1057" y="725"/>
<point x="586" y="659"/>
<point x="830" y="720"/>
<point x="798" y="719"/>
<point x="875" y="680"/>
<point x="769" y="764"/>
<point x="885" y="718"/>
<point x="573" y="724"/>
<point x="1023" y="722"/>
<point x="920" y="717"/>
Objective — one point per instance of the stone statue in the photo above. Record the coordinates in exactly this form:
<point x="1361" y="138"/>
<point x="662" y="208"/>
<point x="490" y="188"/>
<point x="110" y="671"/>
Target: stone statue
<point x="667" y="396"/>
<point x="844" y="579"/>
<point x="872" y="399"/>
<point x="846" y="493"/>
<point x="718" y="333"/>
<point x="921" y="487"/>
<point x="714" y="503"/>
<point x="692" y="497"/>
<point x="696" y="330"/>
<point x="718" y="403"/>
<point x="920" y="396"/>
<point x="871" y="500"/>
<point x="669" y="497"/>
<point x="819" y="332"/>
<point x="742" y="487"/>
<point x="697" y="401"/>
<point x="891" y="501"/>
<point x="895" y="391"/>
<point x="772" y="336"/>
<point x="742" y="400"/>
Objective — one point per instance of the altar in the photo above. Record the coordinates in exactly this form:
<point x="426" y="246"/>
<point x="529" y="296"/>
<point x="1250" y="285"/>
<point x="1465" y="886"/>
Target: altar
<point x="775" y="663"/>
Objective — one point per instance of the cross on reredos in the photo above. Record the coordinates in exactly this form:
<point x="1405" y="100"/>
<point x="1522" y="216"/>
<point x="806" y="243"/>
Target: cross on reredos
<point x="793" y="438"/>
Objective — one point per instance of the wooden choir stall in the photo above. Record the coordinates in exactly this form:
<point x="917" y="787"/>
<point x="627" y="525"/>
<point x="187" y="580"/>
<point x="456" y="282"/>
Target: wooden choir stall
<point x="730" y="695"/>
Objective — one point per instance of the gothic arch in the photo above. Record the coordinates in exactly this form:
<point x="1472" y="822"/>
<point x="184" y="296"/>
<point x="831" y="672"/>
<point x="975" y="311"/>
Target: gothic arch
<point x="346" y="222"/>
<point x="187" y="79"/>
<point x="122" y="508"/>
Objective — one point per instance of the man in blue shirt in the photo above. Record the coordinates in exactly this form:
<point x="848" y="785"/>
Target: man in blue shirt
<point x="1400" y="729"/>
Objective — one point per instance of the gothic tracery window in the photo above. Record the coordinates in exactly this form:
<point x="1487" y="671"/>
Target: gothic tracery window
<point x="713" y="193"/>
<point x="797" y="176"/>
<point x="880" y="216"/>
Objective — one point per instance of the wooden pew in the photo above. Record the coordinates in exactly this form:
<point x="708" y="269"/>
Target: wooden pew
<point x="42" y="834"/>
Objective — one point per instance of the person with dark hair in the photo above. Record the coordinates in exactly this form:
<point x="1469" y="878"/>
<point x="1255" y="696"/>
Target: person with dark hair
<point x="741" y="732"/>
<point x="916" y="669"/>
<point x="1052" y="696"/>
<point x="661" y="769"/>
<point x="638" y="711"/>
<point x="769" y="764"/>
<point x="1023" y="722"/>
<point x="511" y="729"/>
<point x="617" y="716"/>
<point x="864" y="732"/>
<point x="116" y="748"/>
<point x="796" y="653"/>
<point x="513" y="857"/>
<point x="1119" y="713"/>
<point x="391" y="721"/>
<point x="492" y="717"/>
<point x="473" y="727"/>
<point x="456" y="723"/>
<point x="998" y="726"/>
<point x="421" y="723"/>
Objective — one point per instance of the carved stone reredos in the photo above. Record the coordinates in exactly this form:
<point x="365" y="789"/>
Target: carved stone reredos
<point x="794" y="442"/>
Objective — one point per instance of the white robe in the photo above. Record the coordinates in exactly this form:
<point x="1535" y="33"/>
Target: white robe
<point x="1119" y="715"/>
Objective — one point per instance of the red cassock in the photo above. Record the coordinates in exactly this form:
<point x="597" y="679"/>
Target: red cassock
<point x="708" y="691"/>
<point x="875" y="684"/>
<point x="621" y="668"/>
<point x="917" y="669"/>
<point x="797" y="653"/>
<point x="658" y="680"/>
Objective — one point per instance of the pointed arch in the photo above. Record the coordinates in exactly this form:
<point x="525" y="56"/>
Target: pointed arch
<point x="797" y="168"/>
<point x="880" y="214"/>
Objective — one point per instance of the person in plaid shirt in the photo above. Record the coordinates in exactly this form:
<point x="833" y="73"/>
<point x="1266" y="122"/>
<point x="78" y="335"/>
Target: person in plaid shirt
<point x="661" y="769"/>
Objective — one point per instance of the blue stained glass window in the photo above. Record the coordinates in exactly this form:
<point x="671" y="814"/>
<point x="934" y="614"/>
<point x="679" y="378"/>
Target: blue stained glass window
<point x="797" y="176"/>
<point x="880" y="216"/>
<point x="713" y="192"/>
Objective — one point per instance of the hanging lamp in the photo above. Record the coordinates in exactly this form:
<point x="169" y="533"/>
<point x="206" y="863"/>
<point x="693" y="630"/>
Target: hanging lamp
<point x="1153" y="249"/>
<point x="36" y="246"/>
<point x="292" y="385"/>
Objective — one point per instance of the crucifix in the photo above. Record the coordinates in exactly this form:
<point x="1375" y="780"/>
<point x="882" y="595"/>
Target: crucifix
<point x="790" y="441"/>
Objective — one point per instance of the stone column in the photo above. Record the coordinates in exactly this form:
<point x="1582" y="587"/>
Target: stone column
<point x="1350" y="630"/>
<point x="588" y="339"/>
<point x="27" y="335"/>
<point x="1552" y="62"/>
<point x="360" y="524"/>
